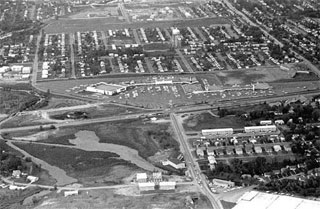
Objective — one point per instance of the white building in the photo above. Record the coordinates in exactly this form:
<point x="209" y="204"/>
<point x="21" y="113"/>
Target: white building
<point x="146" y="186"/>
<point x="70" y="193"/>
<point x="266" y="122"/>
<point x="260" y="129"/>
<point x="223" y="183"/>
<point x="26" y="70"/>
<point x="222" y="131"/>
<point x="175" y="163"/>
<point x="167" y="185"/>
<point x="107" y="89"/>
<point x="32" y="178"/>
<point x="142" y="177"/>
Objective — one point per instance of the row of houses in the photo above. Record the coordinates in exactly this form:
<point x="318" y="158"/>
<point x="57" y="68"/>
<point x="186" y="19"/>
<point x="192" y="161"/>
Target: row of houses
<point x="230" y="131"/>
<point x="201" y="152"/>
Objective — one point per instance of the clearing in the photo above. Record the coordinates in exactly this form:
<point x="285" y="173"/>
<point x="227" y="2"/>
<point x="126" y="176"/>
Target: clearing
<point x="207" y="121"/>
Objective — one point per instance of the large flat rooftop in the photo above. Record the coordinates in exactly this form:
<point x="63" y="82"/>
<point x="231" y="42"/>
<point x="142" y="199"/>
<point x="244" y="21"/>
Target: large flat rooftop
<point x="108" y="87"/>
<point x="261" y="200"/>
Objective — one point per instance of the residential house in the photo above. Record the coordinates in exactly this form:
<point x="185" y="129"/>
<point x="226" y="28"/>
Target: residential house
<point x="210" y="151"/>
<point x="248" y="150"/>
<point x="239" y="150"/>
<point x="257" y="149"/>
<point x="200" y="152"/>
<point x="16" y="173"/>
<point x="142" y="177"/>
<point x="175" y="163"/>
<point x="277" y="148"/>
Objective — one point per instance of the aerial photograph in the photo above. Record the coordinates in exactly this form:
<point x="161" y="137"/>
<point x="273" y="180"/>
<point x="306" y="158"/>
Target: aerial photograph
<point x="159" y="104"/>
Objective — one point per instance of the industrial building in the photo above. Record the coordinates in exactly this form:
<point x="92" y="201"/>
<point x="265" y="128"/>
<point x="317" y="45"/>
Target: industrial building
<point x="106" y="89"/>
<point x="261" y="200"/>
<point x="221" y="131"/>
<point x="146" y="186"/>
<point x="142" y="177"/>
<point x="167" y="185"/>
<point x="260" y="129"/>
<point x="223" y="183"/>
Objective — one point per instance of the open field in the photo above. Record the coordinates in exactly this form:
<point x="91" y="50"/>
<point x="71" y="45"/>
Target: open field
<point x="115" y="199"/>
<point x="208" y="121"/>
<point x="14" y="199"/>
<point x="27" y="119"/>
<point x="252" y="76"/>
<point x="87" y="167"/>
<point x="55" y="102"/>
<point x="75" y="25"/>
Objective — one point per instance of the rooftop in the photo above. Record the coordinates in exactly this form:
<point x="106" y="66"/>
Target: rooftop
<point x="260" y="200"/>
<point x="107" y="87"/>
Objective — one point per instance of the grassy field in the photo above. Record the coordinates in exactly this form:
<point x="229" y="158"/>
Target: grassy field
<point x="207" y="121"/>
<point x="25" y="120"/>
<point x="55" y="102"/>
<point x="88" y="167"/>
<point x="13" y="199"/>
<point x="113" y="199"/>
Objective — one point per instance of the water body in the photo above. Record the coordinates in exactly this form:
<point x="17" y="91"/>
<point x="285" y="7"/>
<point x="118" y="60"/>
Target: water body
<point x="89" y="141"/>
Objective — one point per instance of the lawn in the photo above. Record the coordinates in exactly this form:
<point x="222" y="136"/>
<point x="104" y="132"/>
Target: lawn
<point x="208" y="121"/>
<point x="87" y="167"/>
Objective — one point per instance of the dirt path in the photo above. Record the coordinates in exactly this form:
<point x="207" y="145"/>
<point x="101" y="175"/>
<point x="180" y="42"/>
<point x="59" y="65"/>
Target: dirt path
<point x="57" y="173"/>
<point x="88" y="141"/>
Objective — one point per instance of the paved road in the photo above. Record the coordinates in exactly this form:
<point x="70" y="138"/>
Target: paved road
<point x="193" y="167"/>
<point x="71" y="43"/>
<point x="36" y="61"/>
<point x="78" y="122"/>
<point x="184" y="61"/>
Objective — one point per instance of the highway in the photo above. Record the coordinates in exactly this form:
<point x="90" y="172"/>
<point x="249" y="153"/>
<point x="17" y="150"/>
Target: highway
<point x="193" y="167"/>
<point x="76" y="122"/>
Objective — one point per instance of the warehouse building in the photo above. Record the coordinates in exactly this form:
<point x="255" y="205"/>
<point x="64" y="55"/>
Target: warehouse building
<point x="260" y="129"/>
<point x="221" y="131"/>
<point x="106" y="89"/>
<point x="167" y="185"/>
<point x="146" y="186"/>
<point x="142" y="177"/>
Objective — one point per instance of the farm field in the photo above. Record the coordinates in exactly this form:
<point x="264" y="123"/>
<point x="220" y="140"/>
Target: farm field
<point x="207" y="121"/>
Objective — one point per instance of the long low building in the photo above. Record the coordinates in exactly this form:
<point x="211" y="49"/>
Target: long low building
<point x="260" y="129"/>
<point x="220" y="131"/>
<point x="107" y="89"/>
<point x="261" y="200"/>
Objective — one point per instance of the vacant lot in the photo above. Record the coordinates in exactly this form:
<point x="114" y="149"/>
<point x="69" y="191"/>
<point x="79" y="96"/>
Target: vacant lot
<point x="252" y="76"/>
<point x="208" y="121"/>
<point x="88" y="167"/>
<point x="102" y="199"/>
